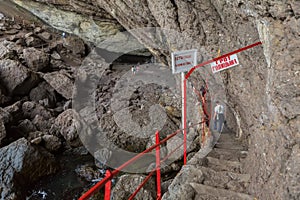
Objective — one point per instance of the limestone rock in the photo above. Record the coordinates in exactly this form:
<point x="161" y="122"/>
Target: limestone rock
<point x="68" y="125"/>
<point x="36" y="60"/>
<point x="22" y="165"/>
<point x="16" y="78"/>
<point x="61" y="82"/>
<point x="127" y="184"/>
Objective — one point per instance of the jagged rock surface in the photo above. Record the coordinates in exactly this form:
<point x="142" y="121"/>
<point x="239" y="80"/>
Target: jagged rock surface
<point x="18" y="174"/>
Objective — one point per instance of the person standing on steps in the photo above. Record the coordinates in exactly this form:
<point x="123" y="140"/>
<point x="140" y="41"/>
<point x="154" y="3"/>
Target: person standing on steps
<point x="218" y="117"/>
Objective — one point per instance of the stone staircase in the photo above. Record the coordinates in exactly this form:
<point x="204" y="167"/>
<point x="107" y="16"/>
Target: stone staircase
<point x="217" y="176"/>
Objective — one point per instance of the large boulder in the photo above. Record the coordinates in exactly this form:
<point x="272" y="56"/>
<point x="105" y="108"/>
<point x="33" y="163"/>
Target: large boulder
<point x="61" y="82"/>
<point x="16" y="78"/>
<point x="68" y="125"/>
<point x="36" y="60"/>
<point x="22" y="165"/>
<point x="127" y="184"/>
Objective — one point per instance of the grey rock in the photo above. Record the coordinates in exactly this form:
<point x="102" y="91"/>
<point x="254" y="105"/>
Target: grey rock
<point x="2" y="131"/>
<point x="43" y="91"/>
<point x="7" y="49"/>
<point x="36" y="60"/>
<point x="3" y="96"/>
<point x="61" y="82"/>
<point x="43" y="123"/>
<point x="88" y="172"/>
<point x="206" y="192"/>
<point x="75" y="45"/>
<point x="33" y="42"/>
<point x="55" y="56"/>
<point x="127" y="184"/>
<point x="16" y="78"/>
<point x="52" y="143"/>
<point x="27" y="126"/>
<point x="45" y="36"/>
<point x="68" y="125"/>
<point x="31" y="110"/>
<point x="5" y="116"/>
<point x="22" y="165"/>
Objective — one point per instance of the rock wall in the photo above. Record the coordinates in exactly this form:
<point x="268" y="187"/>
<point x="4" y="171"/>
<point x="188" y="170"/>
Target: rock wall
<point x="263" y="90"/>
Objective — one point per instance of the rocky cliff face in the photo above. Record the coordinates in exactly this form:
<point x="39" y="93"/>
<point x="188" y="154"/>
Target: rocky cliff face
<point x="263" y="92"/>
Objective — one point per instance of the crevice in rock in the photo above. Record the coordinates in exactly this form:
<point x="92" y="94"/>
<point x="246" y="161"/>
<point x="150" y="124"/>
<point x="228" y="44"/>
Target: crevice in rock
<point x="176" y="11"/>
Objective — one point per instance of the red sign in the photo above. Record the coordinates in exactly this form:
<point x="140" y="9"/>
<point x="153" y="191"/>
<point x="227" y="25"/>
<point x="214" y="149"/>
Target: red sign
<point x="224" y="63"/>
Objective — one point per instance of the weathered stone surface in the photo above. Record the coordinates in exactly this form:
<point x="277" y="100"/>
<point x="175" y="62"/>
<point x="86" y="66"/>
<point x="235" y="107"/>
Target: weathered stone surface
<point x="36" y="60"/>
<point x="45" y="36"/>
<point x="206" y="192"/>
<point x="68" y="125"/>
<point x="21" y="165"/>
<point x="33" y="41"/>
<point x="180" y="188"/>
<point x="88" y="172"/>
<point x="31" y="110"/>
<point x="52" y="143"/>
<point x="2" y="130"/>
<point x="7" y="50"/>
<point x="16" y="78"/>
<point x="5" y="115"/>
<point x="75" y="45"/>
<point x="61" y="82"/>
<point x="43" y="91"/>
<point x="27" y="126"/>
<point x="3" y="96"/>
<point x="127" y="184"/>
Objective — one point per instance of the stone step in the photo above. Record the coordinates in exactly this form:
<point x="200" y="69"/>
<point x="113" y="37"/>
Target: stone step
<point x="227" y="154"/>
<point x="204" y="192"/>
<point x="233" y="146"/>
<point x="225" y="180"/>
<point x="224" y="165"/>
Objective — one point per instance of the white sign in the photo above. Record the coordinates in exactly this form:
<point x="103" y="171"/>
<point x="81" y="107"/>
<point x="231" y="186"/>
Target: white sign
<point x="183" y="61"/>
<point x="224" y="63"/>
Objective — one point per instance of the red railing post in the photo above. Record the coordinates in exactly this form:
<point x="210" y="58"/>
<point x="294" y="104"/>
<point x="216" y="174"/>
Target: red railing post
<point x="184" y="116"/>
<point x="158" y="166"/>
<point x="107" y="186"/>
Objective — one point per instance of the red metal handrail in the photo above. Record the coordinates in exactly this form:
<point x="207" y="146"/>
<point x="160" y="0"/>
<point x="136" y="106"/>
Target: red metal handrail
<point x="101" y="183"/>
<point x="220" y="57"/>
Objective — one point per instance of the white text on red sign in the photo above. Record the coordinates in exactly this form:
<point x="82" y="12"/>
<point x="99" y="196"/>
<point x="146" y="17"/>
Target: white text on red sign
<point x="224" y="63"/>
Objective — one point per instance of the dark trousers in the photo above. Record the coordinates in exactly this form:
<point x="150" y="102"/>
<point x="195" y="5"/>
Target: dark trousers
<point x="218" y="122"/>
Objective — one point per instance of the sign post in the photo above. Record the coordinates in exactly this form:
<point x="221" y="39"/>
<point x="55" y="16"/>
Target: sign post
<point x="183" y="61"/>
